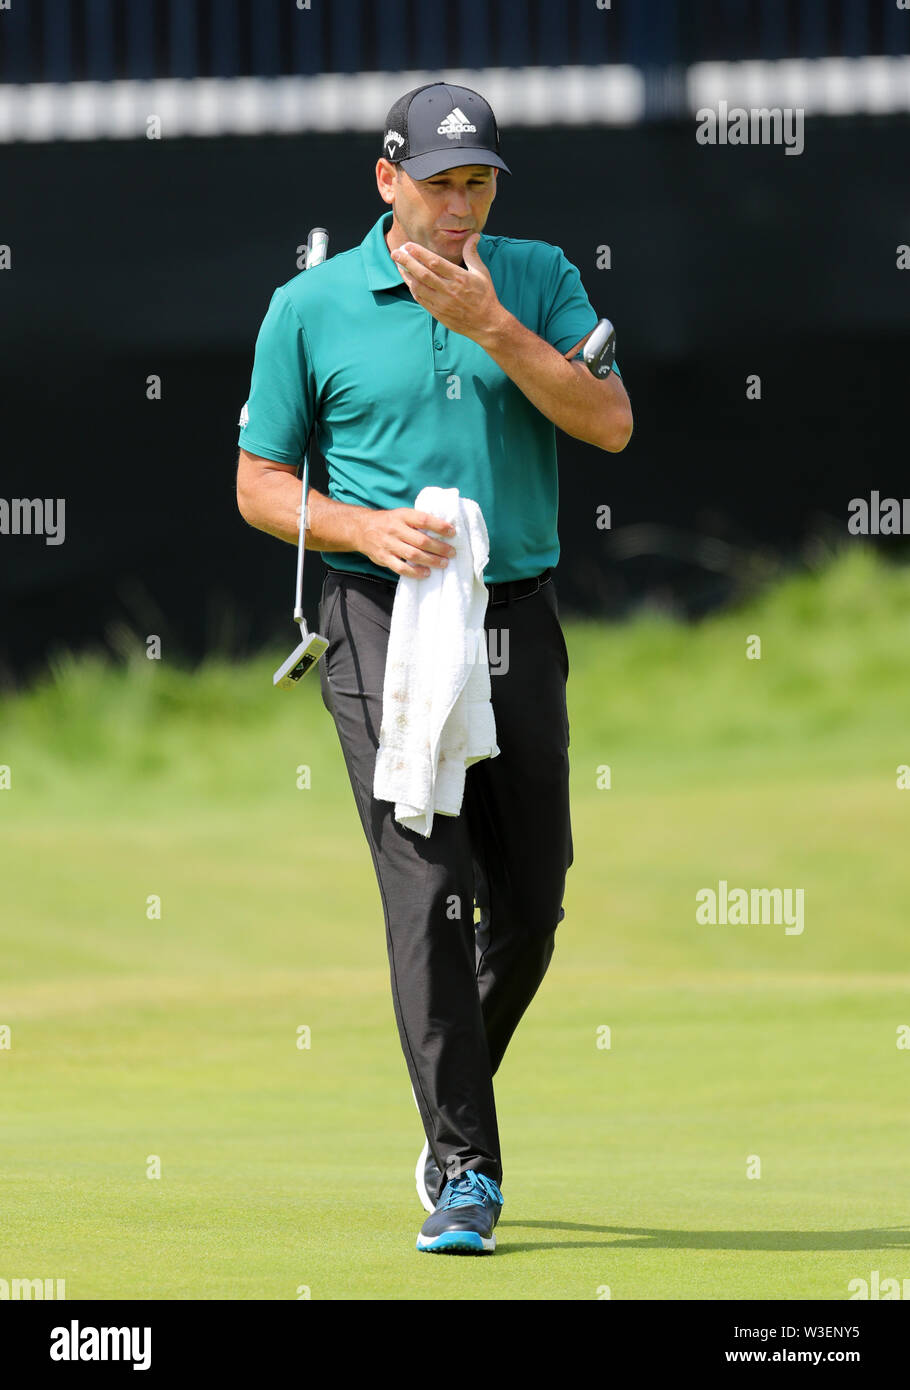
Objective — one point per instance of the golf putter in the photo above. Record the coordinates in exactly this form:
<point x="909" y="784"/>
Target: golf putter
<point x="311" y="646"/>
<point x="599" y="351"/>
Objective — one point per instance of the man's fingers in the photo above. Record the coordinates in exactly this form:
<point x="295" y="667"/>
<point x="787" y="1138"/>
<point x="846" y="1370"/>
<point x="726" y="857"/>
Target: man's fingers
<point x="429" y="269"/>
<point x="429" y="543"/>
<point x="407" y="550"/>
<point x="412" y="560"/>
<point x="418" y="558"/>
<point x="394" y="562"/>
<point x="425" y="549"/>
<point x="431" y="523"/>
<point x="416" y="523"/>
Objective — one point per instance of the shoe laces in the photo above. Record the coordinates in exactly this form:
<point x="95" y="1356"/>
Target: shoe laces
<point x="472" y="1189"/>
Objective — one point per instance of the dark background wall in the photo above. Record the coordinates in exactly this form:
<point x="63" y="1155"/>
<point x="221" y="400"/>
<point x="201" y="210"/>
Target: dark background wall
<point x="101" y="40"/>
<point x="159" y="257"/>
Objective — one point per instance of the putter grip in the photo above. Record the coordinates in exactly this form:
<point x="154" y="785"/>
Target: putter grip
<point x="317" y="247"/>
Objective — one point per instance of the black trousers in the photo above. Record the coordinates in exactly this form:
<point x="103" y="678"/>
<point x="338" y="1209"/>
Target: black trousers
<point x="459" y="988"/>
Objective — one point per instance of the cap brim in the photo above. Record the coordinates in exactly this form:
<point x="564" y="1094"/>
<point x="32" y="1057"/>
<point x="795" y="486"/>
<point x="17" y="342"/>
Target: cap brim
<point x="424" y="166"/>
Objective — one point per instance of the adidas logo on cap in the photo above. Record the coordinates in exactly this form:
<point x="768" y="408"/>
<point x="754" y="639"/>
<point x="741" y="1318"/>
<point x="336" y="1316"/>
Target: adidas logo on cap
<point x="456" y="124"/>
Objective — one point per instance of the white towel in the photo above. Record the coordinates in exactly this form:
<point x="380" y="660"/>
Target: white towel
<point x="437" y="717"/>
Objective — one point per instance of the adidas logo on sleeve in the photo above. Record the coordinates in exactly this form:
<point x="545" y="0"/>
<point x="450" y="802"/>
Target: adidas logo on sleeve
<point x="455" y="125"/>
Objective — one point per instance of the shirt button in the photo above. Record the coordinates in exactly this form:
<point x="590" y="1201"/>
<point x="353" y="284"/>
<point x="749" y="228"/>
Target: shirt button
<point x="438" y="347"/>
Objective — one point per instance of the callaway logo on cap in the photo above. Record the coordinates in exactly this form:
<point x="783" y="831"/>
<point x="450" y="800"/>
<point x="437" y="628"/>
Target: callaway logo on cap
<point x="438" y="127"/>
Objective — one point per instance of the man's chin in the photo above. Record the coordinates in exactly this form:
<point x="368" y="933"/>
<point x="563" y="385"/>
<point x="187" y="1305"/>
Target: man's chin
<point x="451" y="247"/>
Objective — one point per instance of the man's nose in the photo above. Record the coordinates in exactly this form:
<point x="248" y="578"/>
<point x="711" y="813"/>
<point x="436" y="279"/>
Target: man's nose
<point x="457" y="204"/>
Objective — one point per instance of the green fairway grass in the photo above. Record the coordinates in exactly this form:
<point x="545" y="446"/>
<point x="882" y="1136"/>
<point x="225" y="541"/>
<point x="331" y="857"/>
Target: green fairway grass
<point x="287" y="1171"/>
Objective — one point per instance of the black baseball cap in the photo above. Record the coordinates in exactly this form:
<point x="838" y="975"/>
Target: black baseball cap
<point x="438" y="127"/>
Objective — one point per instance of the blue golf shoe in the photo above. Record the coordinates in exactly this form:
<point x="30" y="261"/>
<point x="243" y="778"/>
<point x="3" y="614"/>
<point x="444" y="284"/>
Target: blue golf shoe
<point x="463" y="1221"/>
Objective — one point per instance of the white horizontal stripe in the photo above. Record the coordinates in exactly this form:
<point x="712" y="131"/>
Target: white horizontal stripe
<point x="822" y="87"/>
<point x="540" y="97"/>
<point x="611" y="95"/>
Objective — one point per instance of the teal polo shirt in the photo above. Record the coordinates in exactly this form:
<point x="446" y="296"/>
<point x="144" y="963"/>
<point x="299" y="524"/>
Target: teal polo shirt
<point x="399" y="402"/>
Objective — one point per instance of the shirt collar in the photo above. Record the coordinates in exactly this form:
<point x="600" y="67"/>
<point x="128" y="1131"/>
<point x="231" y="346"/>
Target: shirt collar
<point x="382" y="272"/>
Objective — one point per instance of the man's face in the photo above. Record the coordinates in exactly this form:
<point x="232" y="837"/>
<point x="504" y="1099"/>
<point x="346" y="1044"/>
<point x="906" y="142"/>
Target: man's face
<point x="440" y="212"/>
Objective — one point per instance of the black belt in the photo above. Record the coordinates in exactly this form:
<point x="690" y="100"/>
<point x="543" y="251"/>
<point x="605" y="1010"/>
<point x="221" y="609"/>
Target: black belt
<point x="517" y="588"/>
<point x="499" y="593"/>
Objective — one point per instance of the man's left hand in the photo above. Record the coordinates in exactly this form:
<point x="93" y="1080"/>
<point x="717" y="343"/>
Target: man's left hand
<point x="460" y="297"/>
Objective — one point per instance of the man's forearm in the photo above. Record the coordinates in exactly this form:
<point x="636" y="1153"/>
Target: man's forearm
<point x="596" y="411"/>
<point x="333" y="525"/>
<point x="274" y="507"/>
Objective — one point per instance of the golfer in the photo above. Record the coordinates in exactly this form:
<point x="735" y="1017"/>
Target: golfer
<point x="435" y="354"/>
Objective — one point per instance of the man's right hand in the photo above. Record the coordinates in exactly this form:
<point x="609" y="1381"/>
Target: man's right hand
<point x="396" y="539"/>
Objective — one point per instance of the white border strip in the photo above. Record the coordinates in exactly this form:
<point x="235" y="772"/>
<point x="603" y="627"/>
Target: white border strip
<point x="822" y="87"/>
<point x="610" y="95"/>
<point x="606" y="95"/>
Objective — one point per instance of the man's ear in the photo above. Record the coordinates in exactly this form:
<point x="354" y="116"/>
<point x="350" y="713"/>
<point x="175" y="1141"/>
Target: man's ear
<point x="386" y="178"/>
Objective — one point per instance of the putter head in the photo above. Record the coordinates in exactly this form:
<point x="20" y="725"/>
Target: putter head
<point x="600" y="350"/>
<point x="302" y="658"/>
